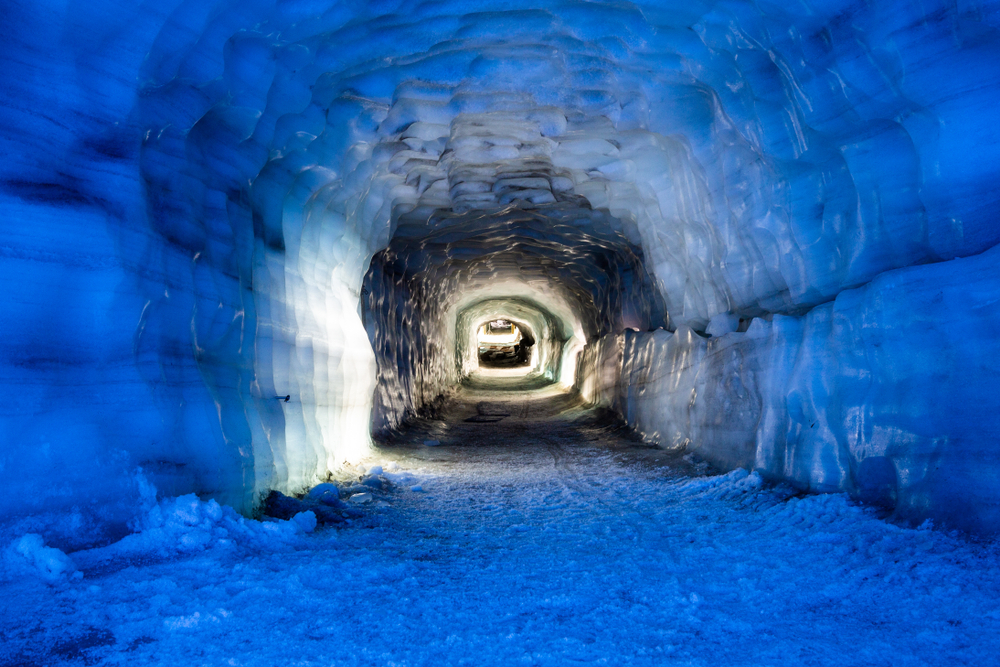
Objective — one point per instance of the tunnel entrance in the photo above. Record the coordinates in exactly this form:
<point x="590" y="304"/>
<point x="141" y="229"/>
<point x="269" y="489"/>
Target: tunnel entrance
<point x="503" y="344"/>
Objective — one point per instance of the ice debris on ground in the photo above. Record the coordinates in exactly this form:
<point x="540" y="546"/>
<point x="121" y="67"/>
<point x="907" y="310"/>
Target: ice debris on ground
<point x="554" y="560"/>
<point x="169" y="528"/>
<point x="306" y="521"/>
<point x="188" y="525"/>
<point x="324" y="493"/>
<point x="30" y="554"/>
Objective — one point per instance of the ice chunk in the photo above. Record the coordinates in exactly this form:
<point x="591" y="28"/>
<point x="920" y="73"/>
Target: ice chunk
<point x="49" y="563"/>
<point x="325" y="493"/>
<point x="306" y="521"/>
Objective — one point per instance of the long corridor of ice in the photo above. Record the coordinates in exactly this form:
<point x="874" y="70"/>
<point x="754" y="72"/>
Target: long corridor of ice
<point x="238" y="235"/>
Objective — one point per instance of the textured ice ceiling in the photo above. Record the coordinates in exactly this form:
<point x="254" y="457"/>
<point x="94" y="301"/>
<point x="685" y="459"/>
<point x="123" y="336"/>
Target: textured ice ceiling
<point x="562" y="268"/>
<point x="193" y="193"/>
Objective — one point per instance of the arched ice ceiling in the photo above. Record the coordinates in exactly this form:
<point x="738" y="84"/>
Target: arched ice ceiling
<point x="231" y="167"/>
<point x="763" y="157"/>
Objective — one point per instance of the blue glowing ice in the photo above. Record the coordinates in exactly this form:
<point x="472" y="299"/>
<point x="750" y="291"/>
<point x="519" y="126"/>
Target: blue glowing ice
<point x="193" y="193"/>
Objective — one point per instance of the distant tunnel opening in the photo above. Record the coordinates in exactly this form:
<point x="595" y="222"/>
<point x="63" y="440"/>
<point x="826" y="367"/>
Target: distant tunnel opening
<point x="503" y="298"/>
<point x="503" y="344"/>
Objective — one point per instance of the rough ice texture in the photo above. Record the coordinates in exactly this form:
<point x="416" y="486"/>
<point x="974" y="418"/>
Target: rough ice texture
<point x="889" y="392"/>
<point x="193" y="192"/>
<point x="494" y="557"/>
<point x="559" y="270"/>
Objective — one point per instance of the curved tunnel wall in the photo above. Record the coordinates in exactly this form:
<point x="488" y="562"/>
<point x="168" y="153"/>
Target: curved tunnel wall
<point x="195" y="190"/>
<point x="888" y="393"/>
<point x="562" y="267"/>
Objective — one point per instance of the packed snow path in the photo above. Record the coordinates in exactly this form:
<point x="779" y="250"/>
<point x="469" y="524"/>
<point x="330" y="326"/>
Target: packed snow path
<point x="526" y="531"/>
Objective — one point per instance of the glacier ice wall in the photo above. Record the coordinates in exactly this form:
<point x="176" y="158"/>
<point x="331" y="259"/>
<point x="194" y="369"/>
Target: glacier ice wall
<point x="193" y="193"/>
<point x="887" y="392"/>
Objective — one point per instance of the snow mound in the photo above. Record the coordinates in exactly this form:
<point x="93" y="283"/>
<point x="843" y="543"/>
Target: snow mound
<point x="49" y="563"/>
<point x="306" y="521"/>
<point x="730" y="486"/>
<point x="325" y="493"/>
<point x="188" y="525"/>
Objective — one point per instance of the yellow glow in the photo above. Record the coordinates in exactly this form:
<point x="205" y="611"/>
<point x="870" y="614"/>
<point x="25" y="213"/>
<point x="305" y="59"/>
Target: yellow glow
<point x="485" y="337"/>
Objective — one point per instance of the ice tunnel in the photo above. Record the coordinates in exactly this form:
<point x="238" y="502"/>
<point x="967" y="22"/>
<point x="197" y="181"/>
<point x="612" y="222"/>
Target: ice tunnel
<point x="763" y="232"/>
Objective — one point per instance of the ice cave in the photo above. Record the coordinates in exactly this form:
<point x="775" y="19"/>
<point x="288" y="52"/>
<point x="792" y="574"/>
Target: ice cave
<point x="253" y="251"/>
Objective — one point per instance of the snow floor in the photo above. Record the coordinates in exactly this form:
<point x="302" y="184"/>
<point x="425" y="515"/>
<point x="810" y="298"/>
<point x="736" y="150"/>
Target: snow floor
<point x="547" y="537"/>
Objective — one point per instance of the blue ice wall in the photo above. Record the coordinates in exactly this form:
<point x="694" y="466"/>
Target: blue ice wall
<point x="889" y="392"/>
<point x="192" y="193"/>
<point x="80" y="412"/>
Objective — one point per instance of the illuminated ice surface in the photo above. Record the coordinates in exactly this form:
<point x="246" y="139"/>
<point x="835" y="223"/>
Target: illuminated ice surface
<point x="549" y="550"/>
<point x="193" y="193"/>
<point x="239" y="237"/>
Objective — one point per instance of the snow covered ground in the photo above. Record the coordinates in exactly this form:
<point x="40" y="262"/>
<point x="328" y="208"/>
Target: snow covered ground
<point x="529" y="542"/>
